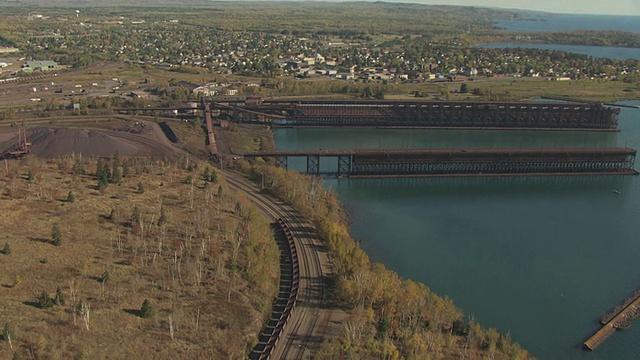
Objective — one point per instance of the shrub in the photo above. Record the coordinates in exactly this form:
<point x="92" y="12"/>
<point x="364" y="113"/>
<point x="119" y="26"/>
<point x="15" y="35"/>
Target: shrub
<point x="105" y="277"/>
<point x="7" y="249"/>
<point x="112" y="215"/>
<point x="56" y="235"/>
<point x="7" y="332"/>
<point x="45" y="301"/>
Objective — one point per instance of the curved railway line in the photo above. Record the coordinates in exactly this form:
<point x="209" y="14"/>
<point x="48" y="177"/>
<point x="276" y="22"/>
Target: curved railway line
<point x="309" y="321"/>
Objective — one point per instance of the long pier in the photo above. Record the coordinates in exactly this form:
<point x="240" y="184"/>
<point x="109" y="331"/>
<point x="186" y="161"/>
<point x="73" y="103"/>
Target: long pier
<point x="550" y="115"/>
<point x="461" y="162"/>
<point x="621" y="319"/>
<point x="432" y="114"/>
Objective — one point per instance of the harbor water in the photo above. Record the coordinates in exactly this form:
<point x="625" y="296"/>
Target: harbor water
<point x="540" y="258"/>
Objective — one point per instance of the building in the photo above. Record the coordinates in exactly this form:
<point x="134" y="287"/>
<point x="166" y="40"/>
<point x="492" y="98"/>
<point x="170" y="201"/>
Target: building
<point x="7" y="50"/>
<point x="41" y="65"/>
<point x="204" y="90"/>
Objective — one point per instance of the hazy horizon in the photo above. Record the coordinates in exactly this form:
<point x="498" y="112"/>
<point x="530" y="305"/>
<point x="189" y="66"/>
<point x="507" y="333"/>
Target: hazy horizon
<point x="595" y="7"/>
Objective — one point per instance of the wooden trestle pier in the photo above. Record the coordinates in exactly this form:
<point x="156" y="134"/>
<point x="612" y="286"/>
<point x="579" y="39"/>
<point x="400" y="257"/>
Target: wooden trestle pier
<point x="620" y="318"/>
<point x="410" y="113"/>
<point x="432" y="114"/>
<point x="460" y="162"/>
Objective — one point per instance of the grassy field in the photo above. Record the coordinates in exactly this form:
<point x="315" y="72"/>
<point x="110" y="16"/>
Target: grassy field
<point x="208" y="266"/>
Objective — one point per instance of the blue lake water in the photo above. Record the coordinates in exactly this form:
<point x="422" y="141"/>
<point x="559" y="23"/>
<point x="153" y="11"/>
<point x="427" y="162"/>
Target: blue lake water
<point x="562" y="22"/>
<point x="610" y="52"/>
<point x="540" y="257"/>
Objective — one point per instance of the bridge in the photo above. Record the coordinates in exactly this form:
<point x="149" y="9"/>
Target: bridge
<point x="460" y="162"/>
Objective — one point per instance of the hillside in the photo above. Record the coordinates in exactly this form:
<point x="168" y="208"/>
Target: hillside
<point x="81" y="255"/>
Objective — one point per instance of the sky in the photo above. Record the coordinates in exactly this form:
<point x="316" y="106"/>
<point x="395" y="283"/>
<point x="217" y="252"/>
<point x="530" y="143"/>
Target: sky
<point x="602" y="7"/>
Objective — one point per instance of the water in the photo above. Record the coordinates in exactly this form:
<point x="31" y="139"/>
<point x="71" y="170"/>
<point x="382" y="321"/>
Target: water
<point x="609" y="52"/>
<point x="539" y="257"/>
<point x="569" y="22"/>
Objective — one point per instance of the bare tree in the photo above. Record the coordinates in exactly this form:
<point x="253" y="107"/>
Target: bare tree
<point x="85" y="311"/>
<point x="73" y="291"/>
<point x="171" y="330"/>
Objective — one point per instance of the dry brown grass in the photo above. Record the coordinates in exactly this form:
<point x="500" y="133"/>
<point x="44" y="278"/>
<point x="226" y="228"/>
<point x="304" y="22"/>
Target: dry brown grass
<point x="193" y="270"/>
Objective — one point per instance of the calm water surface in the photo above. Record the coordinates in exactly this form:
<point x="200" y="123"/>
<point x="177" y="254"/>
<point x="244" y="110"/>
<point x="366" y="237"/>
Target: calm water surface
<point x="568" y="22"/>
<point x="562" y="22"/>
<point x="541" y="257"/>
<point x="609" y="52"/>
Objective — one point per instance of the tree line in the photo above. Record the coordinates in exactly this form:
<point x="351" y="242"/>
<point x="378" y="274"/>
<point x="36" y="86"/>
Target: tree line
<point x="390" y="317"/>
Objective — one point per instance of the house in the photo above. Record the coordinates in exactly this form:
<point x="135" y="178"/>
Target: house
<point x="204" y="90"/>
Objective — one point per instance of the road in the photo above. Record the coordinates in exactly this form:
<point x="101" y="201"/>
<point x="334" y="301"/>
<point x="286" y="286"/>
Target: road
<point x="313" y="319"/>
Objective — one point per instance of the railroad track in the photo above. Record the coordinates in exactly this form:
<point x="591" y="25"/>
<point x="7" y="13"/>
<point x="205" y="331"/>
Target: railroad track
<point x="309" y="319"/>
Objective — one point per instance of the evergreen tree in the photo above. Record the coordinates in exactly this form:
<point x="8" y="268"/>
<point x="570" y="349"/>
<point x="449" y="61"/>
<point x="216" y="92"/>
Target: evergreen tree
<point x="99" y="169"/>
<point x="107" y="173"/>
<point x="125" y="169"/>
<point x="206" y="174"/>
<point x="140" y="188"/>
<point x="464" y="88"/>
<point x="146" y="310"/>
<point x="30" y="176"/>
<point x="135" y="216"/>
<point x="116" y="175"/>
<point x="59" y="299"/>
<point x="78" y="167"/>
<point x="56" y="235"/>
<point x="103" y="182"/>
<point x="7" y="249"/>
<point x="116" y="161"/>
<point x="70" y="197"/>
<point x="163" y="217"/>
